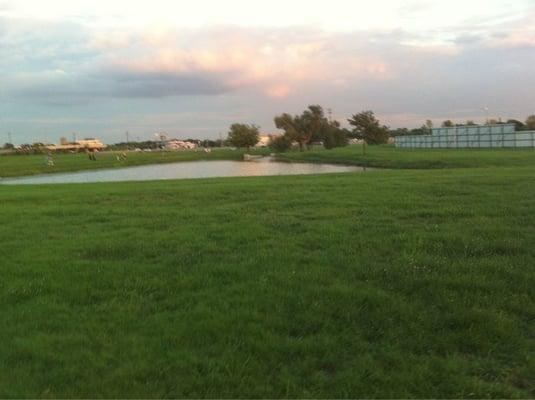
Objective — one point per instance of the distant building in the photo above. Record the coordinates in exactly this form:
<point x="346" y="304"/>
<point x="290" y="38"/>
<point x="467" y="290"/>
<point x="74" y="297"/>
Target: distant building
<point x="78" y="145"/>
<point x="175" y="144"/>
<point x="469" y="136"/>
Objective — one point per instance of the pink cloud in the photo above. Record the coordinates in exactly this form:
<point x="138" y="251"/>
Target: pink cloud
<point x="278" y="91"/>
<point x="272" y="63"/>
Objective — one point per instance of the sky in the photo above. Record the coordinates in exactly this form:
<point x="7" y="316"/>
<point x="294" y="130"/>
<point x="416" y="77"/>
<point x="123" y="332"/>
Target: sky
<point x="191" y="69"/>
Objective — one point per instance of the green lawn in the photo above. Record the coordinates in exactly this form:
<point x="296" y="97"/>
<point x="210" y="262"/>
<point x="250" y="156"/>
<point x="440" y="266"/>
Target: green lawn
<point x="391" y="157"/>
<point x="19" y="165"/>
<point x="383" y="284"/>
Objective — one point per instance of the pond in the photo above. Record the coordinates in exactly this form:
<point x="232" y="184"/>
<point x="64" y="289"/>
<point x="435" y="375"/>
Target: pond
<point x="184" y="170"/>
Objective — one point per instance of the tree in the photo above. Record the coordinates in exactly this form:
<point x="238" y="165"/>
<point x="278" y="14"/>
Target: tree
<point x="368" y="128"/>
<point x="243" y="135"/>
<point x="530" y="123"/>
<point x="426" y="128"/>
<point x="304" y="128"/>
<point x="470" y="123"/>
<point x="399" y="132"/>
<point x="334" y="136"/>
<point x="447" y="124"/>
<point x="8" y="146"/>
<point x="280" y="143"/>
<point x="519" y="126"/>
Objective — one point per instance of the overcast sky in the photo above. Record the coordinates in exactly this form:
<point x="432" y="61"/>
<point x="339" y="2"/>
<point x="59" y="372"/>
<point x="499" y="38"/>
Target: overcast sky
<point x="191" y="68"/>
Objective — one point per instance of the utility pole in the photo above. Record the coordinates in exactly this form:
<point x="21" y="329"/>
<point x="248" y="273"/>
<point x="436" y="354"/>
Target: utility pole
<point x="127" y="137"/>
<point x="330" y="112"/>
<point x="73" y="137"/>
<point x="9" y="137"/>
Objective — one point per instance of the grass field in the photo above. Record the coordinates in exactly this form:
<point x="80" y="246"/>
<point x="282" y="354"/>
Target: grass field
<point x="383" y="284"/>
<point x="391" y="157"/>
<point x="19" y="165"/>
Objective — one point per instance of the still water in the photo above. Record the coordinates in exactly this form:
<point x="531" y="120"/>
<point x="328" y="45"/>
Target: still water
<point x="184" y="170"/>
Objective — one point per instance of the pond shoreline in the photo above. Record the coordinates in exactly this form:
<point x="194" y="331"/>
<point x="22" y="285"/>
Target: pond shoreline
<point x="266" y="166"/>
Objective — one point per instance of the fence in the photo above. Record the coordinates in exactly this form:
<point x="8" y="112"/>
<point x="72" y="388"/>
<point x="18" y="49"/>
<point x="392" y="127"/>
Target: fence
<point x="503" y="135"/>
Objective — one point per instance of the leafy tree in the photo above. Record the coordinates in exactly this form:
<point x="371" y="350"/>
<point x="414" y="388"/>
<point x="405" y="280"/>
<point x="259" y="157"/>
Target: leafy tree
<point x="530" y="123"/>
<point x="426" y="128"/>
<point x="399" y="132"/>
<point x="280" y="143"/>
<point x="368" y="128"/>
<point x="448" y="123"/>
<point x="243" y="135"/>
<point x="8" y="146"/>
<point x="334" y="136"/>
<point x="304" y="128"/>
<point x="470" y="123"/>
<point x="519" y="125"/>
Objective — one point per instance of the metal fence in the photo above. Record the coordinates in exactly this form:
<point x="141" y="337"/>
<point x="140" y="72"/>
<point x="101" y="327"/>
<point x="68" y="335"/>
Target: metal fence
<point x="503" y="135"/>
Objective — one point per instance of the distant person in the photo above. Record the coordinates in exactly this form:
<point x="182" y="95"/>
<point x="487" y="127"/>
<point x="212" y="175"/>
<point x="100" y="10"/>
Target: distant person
<point x="92" y="155"/>
<point x="49" y="160"/>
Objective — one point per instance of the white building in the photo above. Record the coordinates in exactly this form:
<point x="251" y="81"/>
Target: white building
<point x="479" y="136"/>
<point x="175" y="144"/>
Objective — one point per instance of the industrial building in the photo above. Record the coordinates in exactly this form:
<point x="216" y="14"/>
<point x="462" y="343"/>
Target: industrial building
<point x="469" y="136"/>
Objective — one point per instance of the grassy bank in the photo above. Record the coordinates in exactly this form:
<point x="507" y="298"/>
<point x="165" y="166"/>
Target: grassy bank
<point x="391" y="157"/>
<point x="20" y="165"/>
<point x="385" y="284"/>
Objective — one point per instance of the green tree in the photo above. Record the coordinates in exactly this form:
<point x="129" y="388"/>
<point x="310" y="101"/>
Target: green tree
<point x="470" y="123"/>
<point x="448" y="123"/>
<point x="243" y="135"/>
<point x="304" y="128"/>
<point x="334" y="136"/>
<point x="519" y="125"/>
<point x="398" y="132"/>
<point x="8" y="146"/>
<point x="530" y="123"/>
<point x="280" y="143"/>
<point x="368" y="128"/>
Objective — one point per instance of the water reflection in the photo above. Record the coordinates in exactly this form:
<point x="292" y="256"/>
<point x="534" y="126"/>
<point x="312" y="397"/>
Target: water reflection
<point x="185" y="170"/>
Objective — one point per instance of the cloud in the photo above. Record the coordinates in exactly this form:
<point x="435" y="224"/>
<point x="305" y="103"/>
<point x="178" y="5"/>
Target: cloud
<point x="404" y="75"/>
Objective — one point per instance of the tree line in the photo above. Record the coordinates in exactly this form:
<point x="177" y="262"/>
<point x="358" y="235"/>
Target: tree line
<point x="312" y="126"/>
<point x="305" y="129"/>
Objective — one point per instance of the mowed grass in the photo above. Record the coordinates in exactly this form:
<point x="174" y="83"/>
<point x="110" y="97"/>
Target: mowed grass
<point x="382" y="284"/>
<point x="388" y="156"/>
<point x="19" y="165"/>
